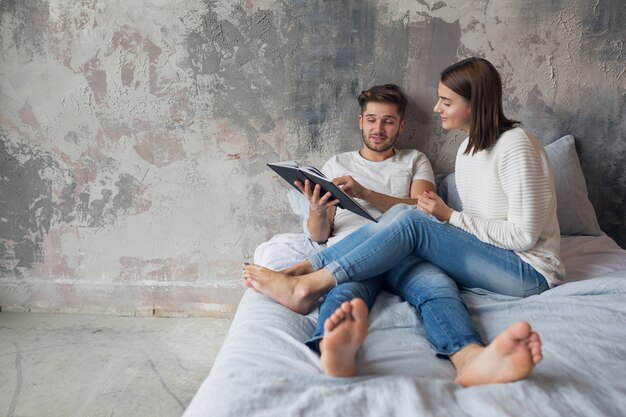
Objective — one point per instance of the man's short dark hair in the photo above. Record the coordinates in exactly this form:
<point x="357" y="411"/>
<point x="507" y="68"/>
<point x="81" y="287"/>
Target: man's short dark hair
<point x="387" y="93"/>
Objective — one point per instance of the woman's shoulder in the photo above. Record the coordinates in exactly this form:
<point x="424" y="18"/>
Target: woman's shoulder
<point x="513" y="135"/>
<point x="518" y="144"/>
<point x="515" y="138"/>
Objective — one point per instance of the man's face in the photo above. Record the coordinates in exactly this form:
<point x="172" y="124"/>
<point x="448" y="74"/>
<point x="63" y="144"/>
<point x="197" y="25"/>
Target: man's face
<point x="380" y="126"/>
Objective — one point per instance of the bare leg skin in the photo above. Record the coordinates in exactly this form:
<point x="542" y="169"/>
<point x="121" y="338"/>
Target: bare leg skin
<point x="298" y="293"/>
<point x="344" y="333"/>
<point x="511" y="356"/>
<point x="301" y="268"/>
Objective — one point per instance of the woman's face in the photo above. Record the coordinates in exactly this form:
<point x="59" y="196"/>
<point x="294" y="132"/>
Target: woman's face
<point x="453" y="109"/>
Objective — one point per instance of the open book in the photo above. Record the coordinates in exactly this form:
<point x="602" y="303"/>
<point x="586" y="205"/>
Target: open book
<point x="292" y="171"/>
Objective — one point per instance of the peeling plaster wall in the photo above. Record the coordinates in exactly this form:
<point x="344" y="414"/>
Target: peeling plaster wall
<point x="134" y="135"/>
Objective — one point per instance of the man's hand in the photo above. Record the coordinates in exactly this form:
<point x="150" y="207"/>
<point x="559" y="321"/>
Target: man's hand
<point x="351" y="187"/>
<point x="431" y="203"/>
<point x="319" y="205"/>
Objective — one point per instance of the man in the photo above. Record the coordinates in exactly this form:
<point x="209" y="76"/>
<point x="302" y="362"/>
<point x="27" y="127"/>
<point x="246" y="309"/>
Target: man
<point x="380" y="176"/>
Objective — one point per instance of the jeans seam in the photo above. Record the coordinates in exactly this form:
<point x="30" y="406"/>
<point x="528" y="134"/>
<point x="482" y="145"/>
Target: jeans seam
<point x="438" y="324"/>
<point x="455" y="345"/>
<point x="533" y="291"/>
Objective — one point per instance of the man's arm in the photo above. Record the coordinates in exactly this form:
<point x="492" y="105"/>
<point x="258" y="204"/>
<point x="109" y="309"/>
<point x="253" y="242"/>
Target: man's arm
<point x="381" y="201"/>
<point x="320" y="224"/>
<point x="321" y="212"/>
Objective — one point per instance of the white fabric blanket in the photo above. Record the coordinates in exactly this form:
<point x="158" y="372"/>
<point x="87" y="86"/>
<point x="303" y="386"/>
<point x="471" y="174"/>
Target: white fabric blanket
<point x="264" y="369"/>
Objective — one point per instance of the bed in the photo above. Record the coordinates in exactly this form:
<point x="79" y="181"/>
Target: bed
<point x="264" y="368"/>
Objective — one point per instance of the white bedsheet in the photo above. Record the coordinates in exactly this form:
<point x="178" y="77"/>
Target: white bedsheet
<point x="264" y="369"/>
<point x="590" y="256"/>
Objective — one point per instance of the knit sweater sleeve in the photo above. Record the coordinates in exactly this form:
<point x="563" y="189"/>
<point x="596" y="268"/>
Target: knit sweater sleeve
<point x="527" y="194"/>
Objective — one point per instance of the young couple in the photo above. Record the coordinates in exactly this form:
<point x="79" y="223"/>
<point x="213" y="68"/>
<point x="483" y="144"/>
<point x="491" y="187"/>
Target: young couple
<point x="505" y="240"/>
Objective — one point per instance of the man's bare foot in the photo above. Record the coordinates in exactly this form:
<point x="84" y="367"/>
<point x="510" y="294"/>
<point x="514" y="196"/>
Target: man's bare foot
<point x="344" y="333"/>
<point x="511" y="356"/>
<point x="298" y="293"/>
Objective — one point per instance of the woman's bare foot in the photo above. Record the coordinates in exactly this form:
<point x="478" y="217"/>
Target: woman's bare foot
<point x="344" y="333"/>
<point x="243" y="278"/>
<point x="298" y="293"/>
<point x="301" y="268"/>
<point x="511" y="356"/>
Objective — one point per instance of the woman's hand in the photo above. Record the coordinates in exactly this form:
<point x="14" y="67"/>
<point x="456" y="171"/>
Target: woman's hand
<point x="318" y="205"/>
<point x="431" y="203"/>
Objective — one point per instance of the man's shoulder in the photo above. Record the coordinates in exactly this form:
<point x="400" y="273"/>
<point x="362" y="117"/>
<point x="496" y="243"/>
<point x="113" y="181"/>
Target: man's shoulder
<point x="339" y="162"/>
<point x="411" y="157"/>
<point x="346" y="155"/>
<point x="418" y="163"/>
<point x="402" y="157"/>
<point x="408" y="153"/>
<point x="342" y="158"/>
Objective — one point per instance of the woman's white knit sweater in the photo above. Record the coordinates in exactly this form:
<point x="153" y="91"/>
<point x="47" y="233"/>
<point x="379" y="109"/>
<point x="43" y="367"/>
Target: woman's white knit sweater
<point x="509" y="200"/>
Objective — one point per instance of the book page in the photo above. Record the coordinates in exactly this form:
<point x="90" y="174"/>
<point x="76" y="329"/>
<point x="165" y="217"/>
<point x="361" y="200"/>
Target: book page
<point x="313" y="170"/>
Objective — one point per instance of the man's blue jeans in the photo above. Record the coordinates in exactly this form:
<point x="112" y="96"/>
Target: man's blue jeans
<point x="425" y="262"/>
<point x="366" y="290"/>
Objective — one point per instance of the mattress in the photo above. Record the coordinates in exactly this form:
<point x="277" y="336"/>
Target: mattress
<point x="264" y="369"/>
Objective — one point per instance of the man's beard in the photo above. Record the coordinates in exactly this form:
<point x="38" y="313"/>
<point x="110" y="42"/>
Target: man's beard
<point x="375" y="148"/>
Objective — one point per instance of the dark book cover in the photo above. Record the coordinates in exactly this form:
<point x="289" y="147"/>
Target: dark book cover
<point x="292" y="171"/>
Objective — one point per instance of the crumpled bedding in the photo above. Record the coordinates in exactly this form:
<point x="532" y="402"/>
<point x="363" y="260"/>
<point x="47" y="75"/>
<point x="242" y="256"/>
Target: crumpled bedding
<point x="264" y="369"/>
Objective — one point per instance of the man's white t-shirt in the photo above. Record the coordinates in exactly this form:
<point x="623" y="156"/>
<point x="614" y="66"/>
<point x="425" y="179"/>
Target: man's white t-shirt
<point x="392" y="177"/>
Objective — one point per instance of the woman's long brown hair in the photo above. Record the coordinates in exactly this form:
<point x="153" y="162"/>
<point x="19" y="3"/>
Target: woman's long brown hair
<point x="478" y="81"/>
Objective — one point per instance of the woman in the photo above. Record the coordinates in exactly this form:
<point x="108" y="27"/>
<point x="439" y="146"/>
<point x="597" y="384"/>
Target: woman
<point x="506" y="240"/>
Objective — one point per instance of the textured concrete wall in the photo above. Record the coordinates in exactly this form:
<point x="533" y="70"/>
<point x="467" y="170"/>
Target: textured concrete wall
<point x="134" y="134"/>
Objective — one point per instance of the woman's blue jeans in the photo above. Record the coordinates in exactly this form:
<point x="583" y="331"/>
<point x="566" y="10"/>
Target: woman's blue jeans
<point x="425" y="262"/>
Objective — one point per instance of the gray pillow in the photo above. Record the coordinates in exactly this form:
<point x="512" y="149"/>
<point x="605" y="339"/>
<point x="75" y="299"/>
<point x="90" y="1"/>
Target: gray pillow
<point x="448" y="192"/>
<point x="574" y="210"/>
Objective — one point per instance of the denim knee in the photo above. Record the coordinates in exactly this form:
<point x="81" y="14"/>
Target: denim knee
<point x="398" y="208"/>
<point x="416" y="215"/>
<point x="366" y="290"/>
<point x="419" y="281"/>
